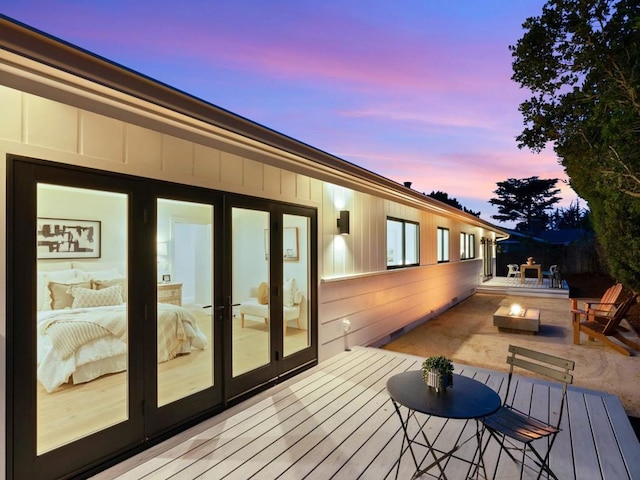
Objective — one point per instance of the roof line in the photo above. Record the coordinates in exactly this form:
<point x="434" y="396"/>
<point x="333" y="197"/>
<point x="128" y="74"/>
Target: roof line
<point x="41" y="47"/>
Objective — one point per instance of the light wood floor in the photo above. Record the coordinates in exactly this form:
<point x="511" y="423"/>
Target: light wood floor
<point x="74" y="411"/>
<point x="335" y="421"/>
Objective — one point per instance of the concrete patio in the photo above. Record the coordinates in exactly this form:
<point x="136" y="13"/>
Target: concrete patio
<point x="466" y="334"/>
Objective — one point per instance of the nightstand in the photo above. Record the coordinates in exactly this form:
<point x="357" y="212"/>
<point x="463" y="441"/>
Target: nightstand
<point x="170" y="292"/>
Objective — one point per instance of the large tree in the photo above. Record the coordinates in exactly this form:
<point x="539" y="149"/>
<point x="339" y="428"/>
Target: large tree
<point x="580" y="59"/>
<point x="444" y="197"/>
<point x="572" y="217"/>
<point x="525" y="201"/>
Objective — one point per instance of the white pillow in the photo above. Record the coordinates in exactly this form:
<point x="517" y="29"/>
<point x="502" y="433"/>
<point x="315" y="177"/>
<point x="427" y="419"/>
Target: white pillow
<point x="85" y="297"/>
<point x="289" y="297"/>
<point x="110" y="274"/>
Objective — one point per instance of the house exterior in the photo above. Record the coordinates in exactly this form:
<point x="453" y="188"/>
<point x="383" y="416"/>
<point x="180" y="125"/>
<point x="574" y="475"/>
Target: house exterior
<point x="124" y="194"/>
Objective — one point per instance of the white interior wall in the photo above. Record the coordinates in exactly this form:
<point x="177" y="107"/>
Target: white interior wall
<point x="299" y="269"/>
<point x="250" y="265"/>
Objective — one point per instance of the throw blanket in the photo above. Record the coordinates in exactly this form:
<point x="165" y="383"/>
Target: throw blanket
<point x="177" y="327"/>
<point x="71" y="329"/>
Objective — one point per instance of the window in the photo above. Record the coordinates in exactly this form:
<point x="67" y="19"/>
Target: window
<point x="467" y="246"/>
<point x="443" y="244"/>
<point x="403" y="240"/>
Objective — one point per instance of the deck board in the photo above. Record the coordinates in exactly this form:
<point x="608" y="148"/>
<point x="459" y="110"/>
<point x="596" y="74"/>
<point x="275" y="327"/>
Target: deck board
<point x="336" y="421"/>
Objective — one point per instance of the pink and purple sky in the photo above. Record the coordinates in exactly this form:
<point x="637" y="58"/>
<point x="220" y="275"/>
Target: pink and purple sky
<point x="414" y="90"/>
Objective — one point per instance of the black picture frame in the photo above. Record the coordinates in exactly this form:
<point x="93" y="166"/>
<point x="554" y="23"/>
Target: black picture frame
<point x="68" y="238"/>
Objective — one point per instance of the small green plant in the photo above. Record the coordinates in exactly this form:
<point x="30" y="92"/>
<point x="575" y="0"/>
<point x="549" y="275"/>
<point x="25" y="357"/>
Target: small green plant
<point x="440" y="365"/>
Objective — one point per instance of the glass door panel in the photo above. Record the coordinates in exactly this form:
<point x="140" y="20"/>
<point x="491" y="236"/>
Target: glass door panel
<point x="184" y="299"/>
<point x="251" y="329"/>
<point x="296" y="283"/>
<point x="82" y="313"/>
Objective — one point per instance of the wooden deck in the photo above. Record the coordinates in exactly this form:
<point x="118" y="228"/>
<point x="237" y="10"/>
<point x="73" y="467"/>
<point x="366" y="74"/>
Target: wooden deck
<point x="336" y="421"/>
<point x="530" y="287"/>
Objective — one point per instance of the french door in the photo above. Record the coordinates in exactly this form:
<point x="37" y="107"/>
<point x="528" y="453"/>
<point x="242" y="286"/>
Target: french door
<point x="487" y="258"/>
<point x="114" y="335"/>
<point x="62" y="223"/>
<point x="272" y="293"/>
<point x="136" y="307"/>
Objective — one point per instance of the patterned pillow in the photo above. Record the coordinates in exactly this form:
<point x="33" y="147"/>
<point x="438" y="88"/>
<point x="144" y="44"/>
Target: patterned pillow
<point x="60" y="292"/>
<point x="263" y="293"/>
<point x="85" y="297"/>
<point x="102" y="284"/>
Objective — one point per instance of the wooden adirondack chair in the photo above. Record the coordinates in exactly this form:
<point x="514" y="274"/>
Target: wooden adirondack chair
<point x="605" y="327"/>
<point x="610" y="299"/>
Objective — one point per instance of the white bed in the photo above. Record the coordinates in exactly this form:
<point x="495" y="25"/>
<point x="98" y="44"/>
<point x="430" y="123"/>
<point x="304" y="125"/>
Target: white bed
<point x="82" y="326"/>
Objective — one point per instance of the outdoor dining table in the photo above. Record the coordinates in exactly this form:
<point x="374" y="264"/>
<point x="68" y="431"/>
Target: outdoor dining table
<point x="535" y="266"/>
<point x="467" y="399"/>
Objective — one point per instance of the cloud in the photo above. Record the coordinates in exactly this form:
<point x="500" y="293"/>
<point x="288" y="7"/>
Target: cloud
<point x="420" y="93"/>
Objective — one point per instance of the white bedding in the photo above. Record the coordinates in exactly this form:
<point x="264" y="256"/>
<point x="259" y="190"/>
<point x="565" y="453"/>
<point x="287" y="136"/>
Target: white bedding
<point x="83" y="344"/>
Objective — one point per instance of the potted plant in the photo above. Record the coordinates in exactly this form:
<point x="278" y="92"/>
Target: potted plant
<point x="437" y="372"/>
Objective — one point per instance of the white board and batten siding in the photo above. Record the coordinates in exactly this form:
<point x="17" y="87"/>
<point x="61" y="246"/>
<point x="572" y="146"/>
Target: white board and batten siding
<point x="380" y="305"/>
<point x="156" y="143"/>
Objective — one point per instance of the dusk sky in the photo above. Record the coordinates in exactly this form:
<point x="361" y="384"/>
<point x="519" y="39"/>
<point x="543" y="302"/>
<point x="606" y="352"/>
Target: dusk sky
<point x="414" y="90"/>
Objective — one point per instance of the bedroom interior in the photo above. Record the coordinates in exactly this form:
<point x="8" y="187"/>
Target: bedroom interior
<point x="82" y="363"/>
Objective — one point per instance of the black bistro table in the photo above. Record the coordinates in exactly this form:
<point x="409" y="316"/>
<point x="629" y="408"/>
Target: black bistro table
<point x="467" y="399"/>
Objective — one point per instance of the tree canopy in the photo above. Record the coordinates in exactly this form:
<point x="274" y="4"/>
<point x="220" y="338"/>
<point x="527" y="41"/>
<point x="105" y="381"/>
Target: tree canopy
<point x="444" y="197"/>
<point x="525" y="201"/>
<point x="572" y="217"/>
<point x="580" y="61"/>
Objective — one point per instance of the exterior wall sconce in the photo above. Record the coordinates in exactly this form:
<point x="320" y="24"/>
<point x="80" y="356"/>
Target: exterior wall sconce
<point x="343" y="222"/>
<point x="488" y="241"/>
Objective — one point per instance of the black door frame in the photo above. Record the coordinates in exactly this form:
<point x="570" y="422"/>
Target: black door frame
<point x="66" y="460"/>
<point x="146" y="424"/>
<point x="208" y="401"/>
<point x="243" y="386"/>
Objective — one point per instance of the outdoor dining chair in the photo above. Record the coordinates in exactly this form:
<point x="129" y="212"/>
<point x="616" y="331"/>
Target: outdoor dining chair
<point x="514" y="270"/>
<point x="550" y="273"/>
<point x="515" y="430"/>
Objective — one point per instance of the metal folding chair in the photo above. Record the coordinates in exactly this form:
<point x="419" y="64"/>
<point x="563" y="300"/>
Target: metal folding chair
<point x="517" y="430"/>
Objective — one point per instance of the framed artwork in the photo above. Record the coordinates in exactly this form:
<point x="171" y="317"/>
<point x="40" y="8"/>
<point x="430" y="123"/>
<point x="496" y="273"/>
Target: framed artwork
<point x="166" y="278"/>
<point x="65" y="238"/>
<point x="289" y="244"/>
